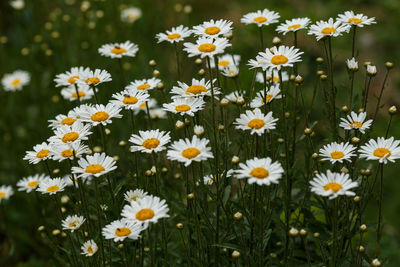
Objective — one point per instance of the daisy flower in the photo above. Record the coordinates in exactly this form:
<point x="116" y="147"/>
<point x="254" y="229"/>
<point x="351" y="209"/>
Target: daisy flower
<point x="185" y="106"/>
<point x="73" y="180"/>
<point x="158" y="113"/>
<point x="84" y="92"/>
<point x="260" y="171"/>
<point x="256" y="122"/>
<point x="130" y="99"/>
<point x="95" y="165"/>
<point x="17" y="4"/>
<point x="196" y="88"/>
<point x="187" y="151"/>
<point x="143" y="85"/>
<point x="332" y="185"/>
<point x="151" y="103"/>
<point x="278" y="57"/>
<point x="71" y="134"/>
<point x="272" y="93"/>
<point x="255" y="63"/>
<point x="356" y="121"/>
<point x="231" y="71"/>
<point x="61" y="119"/>
<point x="213" y="28"/>
<point x="62" y="151"/>
<point x="234" y="97"/>
<point x="118" y="50"/>
<point x="146" y="210"/>
<point x="150" y="141"/>
<point x="40" y="152"/>
<point x="226" y="60"/>
<point x="206" y="47"/>
<point x="134" y="195"/>
<point x="382" y="149"/>
<point x="175" y="35"/>
<point x="293" y="25"/>
<point x="273" y="76"/>
<point x="330" y="28"/>
<point x="31" y="182"/>
<point x="337" y="152"/>
<point x="100" y="114"/>
<point x="358" y="20"/>
<point x="210" y="179"/>
<point x="70" y="77"/>
<point x="260" y="18"/>
<point x="6" y="192"/>
<point x="89" y="248"/>
<point x="16" y="80"/>
<point x="73" y="222"/>
<point x="120" y="229"/>
<point x="95" y="77"/>
<point x="131" y="14"/>
<point x="51" y="186"/>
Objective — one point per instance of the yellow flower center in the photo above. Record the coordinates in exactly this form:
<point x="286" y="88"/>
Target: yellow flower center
<point x="337" y="155"/>
<point x="32" y="184"/>
<point x="94" y="168"/>
<point x="223" y="63"/>
<point x="259" y="173"/>
<point x="118" y="50"/>
<point x="16" y="82"/>
<point x="143" y="105"/>
<point x="130" y="100"/>
<point x="173" y="36"/>
<point x="100" y="116"/>
<point x="355" y="20"/>
<point x="190" y="152"/>
<point x="53" y="188"/>
<point x="81" y="94"/>
<point x="356" y="124"/>
<point x="2" y="194"/>
<point x="151" y="143"/>
<point x="275" y="79"/>
<point x="67" y="153"/>
<point x="205" y="48"/>
<point x="328" y="30"/>
<point x="268" y="98"/>
<point x="93" y="80"/>
<point x="256" y="123"/>
<point x="260" y="19"/>
<point x="73" y="79"/>
<point x="143" y="86"/>
<point x="145" y="214"/>
<point x="70" y="137"/>
<point x="133" y="198"/>
<point x="382" y="152"/>
<point x="182" y="108"/>
<point x="73" y="224"/>
<point x="43" y="153"/>
<point x="68" y="121"/>
<point x="279" y="59"/>
<point x="90" y="250"/>
<point x="123" y="231"/>
<point x="196" y="89"/>
<point x="294" y="27"/>
<point x="212" y="30"/>
<point x="335" y="187"/>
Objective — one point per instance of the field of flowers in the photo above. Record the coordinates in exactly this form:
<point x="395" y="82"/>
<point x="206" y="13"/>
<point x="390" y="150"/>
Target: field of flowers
<point x="199" y="133"/>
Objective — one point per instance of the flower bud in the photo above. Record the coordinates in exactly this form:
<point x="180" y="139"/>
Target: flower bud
<point x="235" y="254"/>
<point x="240" y="100"/>
<point x="201" y="72"/>
<point x="307" y="131"/>
<point x="315" y="156"/>
<point x="389" y="65"/>
<point x="298" y="79"/>
<point x="345" y="109"/>
<point x="190" y="196"/>
<point x="238" y="216"/>
<point x="156" y="73"/>
<point x="122" y="143"/>
<point x="323" y="77"/>
<point x="293" y="232"/>
<point x="361" y="249"/>
<point x="303" y="232"/>
<point x="198" y="61"/>
<point x="371" y="70"/>
<point x="276" y="41"/>
<point x="179" y="124"/>
<point x="179" y="226"/>
<point x="355" y="140"/>
<point x="235" y="160"/>
<point x="319" y="60"/>
<point x="160" y="85"/>
<point x="392" y="110"/>
<point x="152" y="63"/>
<point x="320" y="72"/>
<point x="357" y="199"/>
<point x="198" y="130"/>
<point x="376" y="263"/>
<point x="316" y="234"/>
<point x="352" y="64"/>
<point x="363" y="228"/>
<point x="224" y="102"/>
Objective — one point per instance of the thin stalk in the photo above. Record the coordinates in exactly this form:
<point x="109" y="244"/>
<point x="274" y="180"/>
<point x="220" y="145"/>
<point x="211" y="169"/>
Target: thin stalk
<point x="380" y="95"/>
<point x="178" y="68"/>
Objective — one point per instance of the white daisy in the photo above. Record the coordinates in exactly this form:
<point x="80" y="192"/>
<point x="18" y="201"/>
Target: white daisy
<point x="272" y="93"/>
<point x="196" y="88"/>
<point x="278" y="57"/>
<point x="260" y="18"/>
<point x="293" y="25"/>
<point x="51" y="186"/>
<point x="273" y="76"/>
<point x="231" y="71"/>
<point x="337" y="152"/>
<point x="61" y="119"/>
<point x="175" y="35"/>
<point x="71" y="134"/>
<point x="158" y="113"/>
<point x="84" y="92"/>
<point x="210" y="179"/>
<point x="332" y="184"/>
<point x="358" y="20"/>
<point x="185" y="106"/>
<point x="260" y="171"/>
<point x="206" y="47"/>
<point x="31" y="182"/>
<point x="120" y="229"/>
<point x="89" y="248"/>
<point x="187" y="151"/>
<point x="72" y="223"/>
<point x="118" y="50"/>
<point x="62" y="151"/>
<point x="226" y="60"/>
<point x="213" y="28"/>
<point x="234" y="97"/>
<point x="356" y="121"/>
<point x="131" y="14"/>
<point x="134" y="195"/>
<point x="149" y="141"/>
<point x="256" y="122"/>
<point x="73" y="180"/>
<point x="330" y="28"/>
<point x="382" y="149"/>
<point x="151" y="103"/>
<point x="70" y="77"/>
<point x="144" y="84"/>
<point x="130" y="99"/>
<point x="6" y="191"/>
<point x="16" y="80"/>
<point x="95" y="165"/>
<point x="255" y="63"/>
<point x="40" y="152"/>
<point x="100" y="114"/>
<point x="94" y="78"/>
<point x="146" y="210"/>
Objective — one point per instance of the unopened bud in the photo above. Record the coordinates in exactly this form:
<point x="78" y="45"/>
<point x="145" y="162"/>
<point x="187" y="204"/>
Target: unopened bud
<point x="201" y="72"/>
<point x="293" y="232"/>
<point x="179" y="124"/>
<point x="392" y="110"/>
<point x="389" y="65"/>
<point x="198" y="61"/>
<point x="152" y="63"/>
<point x="238" y="216"/>
<point x="319" y="60"/>
<point x="235" y="160"/>
<point x="235" y="254"/>
<point x="355" y="140"/>
<point x="156" y="73"/>
<point x="363" y="228"/>
<point x="179" y="226"/>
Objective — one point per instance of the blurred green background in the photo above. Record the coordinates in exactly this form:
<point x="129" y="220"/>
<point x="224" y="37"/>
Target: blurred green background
<point x="48" y="37"/>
